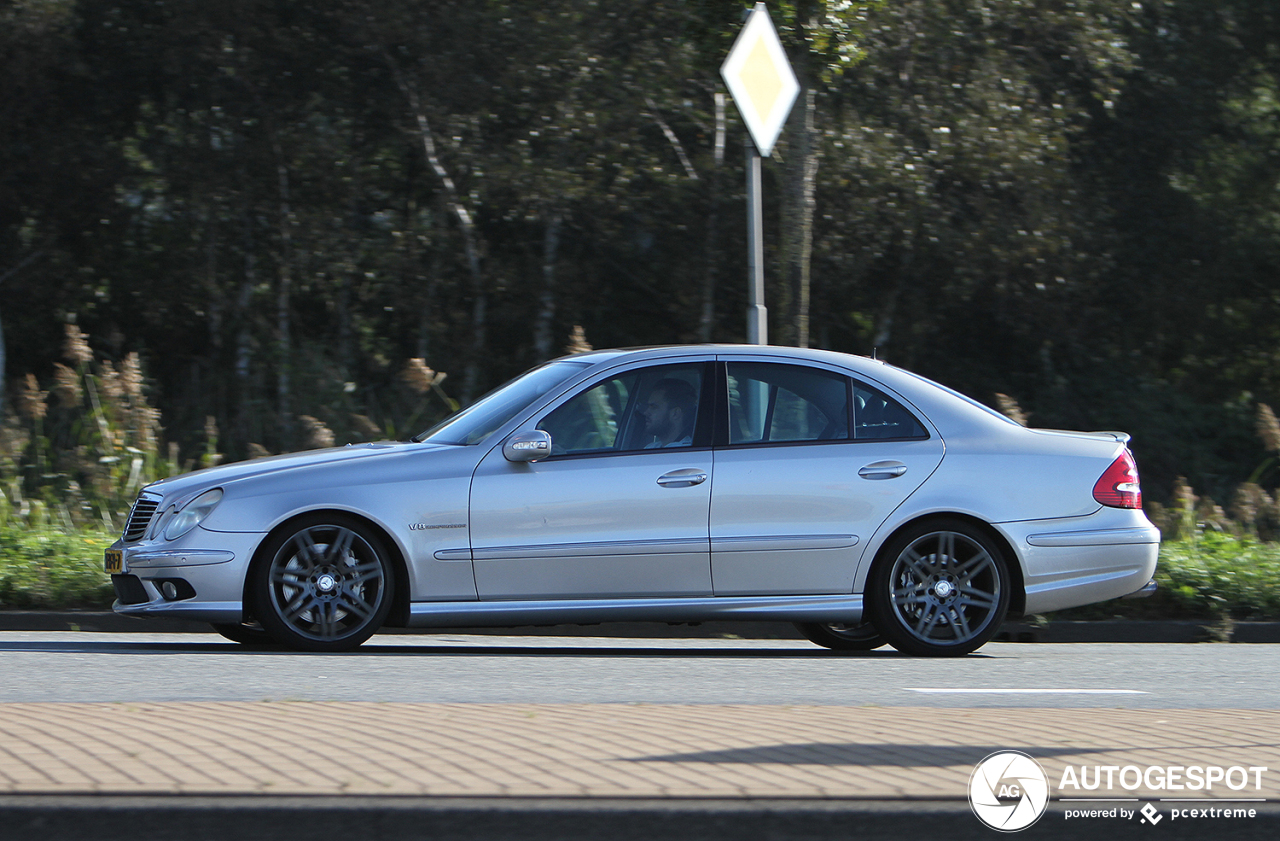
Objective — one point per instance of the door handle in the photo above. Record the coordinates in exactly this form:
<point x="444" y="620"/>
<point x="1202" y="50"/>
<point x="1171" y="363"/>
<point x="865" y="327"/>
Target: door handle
<point x="685" y="478"/>
<point x="883" y="470"/>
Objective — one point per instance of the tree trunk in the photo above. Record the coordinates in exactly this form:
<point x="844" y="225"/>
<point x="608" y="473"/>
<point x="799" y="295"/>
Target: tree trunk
<point x="217" y="390"/>
<point x="547" y="300"/>
<point x="346" y="357"/>
<point x="707" y="320"/>
<point x="884" y="324"/>
<point x="28" y="260"/>
<point x="426" y="315"/>
<point x="284" y="292"/>
<point x="2" y="362"/>
<point x="244" y="340"/>
<point x="801" y="181"/>
<point x="471" y="246"/>
<point x="470" y="237"/>
<point x="211" y="281"/>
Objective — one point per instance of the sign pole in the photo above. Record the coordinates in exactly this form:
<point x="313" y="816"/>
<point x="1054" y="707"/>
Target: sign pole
<point x="764" y="87"/>
<point x="757" y="313"/>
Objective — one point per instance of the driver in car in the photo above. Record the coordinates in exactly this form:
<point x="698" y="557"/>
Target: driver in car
<point x="669" y="414"/>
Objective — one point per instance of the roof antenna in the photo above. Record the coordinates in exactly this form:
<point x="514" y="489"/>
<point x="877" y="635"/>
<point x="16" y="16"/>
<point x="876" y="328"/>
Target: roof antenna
<point x="873" y="352"/>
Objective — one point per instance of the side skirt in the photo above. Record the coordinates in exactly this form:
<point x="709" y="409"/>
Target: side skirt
<point x="838" y="608"/>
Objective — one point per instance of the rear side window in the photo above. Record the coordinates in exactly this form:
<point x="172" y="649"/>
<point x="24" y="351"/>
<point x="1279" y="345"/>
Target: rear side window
<point x="771" y="403"/>
<point x="876" y="416"/>
<point x="779" y="403"/>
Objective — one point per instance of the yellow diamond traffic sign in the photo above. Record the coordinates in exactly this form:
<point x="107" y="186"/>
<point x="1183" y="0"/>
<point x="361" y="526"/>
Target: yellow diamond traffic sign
<point x="760" y="79"/>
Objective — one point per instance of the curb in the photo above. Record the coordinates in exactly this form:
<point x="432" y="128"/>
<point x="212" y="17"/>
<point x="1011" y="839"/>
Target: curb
<point x="1113" y="631"/>
<point x="39" y="818"/>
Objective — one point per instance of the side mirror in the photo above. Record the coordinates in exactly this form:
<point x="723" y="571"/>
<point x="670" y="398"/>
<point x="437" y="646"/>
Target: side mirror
<point x="527" y="446"/>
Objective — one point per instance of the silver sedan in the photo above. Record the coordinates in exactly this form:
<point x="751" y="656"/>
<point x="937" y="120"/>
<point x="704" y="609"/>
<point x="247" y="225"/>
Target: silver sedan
<point x="860" y="501"/>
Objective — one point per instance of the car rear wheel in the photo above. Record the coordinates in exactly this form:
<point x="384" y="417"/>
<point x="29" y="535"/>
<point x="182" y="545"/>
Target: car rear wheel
<point x="861" y="636"/>
<point x="323" y="584"/>
<point x="939" y="589"/>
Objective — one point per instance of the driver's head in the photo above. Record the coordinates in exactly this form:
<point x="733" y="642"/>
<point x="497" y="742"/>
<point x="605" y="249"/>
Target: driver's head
<point x="670" y="410"/>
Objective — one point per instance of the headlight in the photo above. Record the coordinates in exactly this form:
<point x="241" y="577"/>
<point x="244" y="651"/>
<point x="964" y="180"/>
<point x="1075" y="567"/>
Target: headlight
<point x="192" y="514"/>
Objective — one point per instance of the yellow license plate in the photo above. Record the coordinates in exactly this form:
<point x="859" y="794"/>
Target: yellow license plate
<point x="114" y="561"/>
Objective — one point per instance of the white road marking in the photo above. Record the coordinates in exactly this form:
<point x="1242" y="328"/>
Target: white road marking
<point x="958" y="691"/>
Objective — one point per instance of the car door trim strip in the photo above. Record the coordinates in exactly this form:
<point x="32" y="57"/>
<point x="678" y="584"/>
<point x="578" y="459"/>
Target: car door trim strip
<point x="782" y="543"/>
<point x="698" y="545"/>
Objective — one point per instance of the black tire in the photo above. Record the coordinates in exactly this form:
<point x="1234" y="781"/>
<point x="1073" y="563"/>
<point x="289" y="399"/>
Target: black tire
<point x="939" y="589"/>
<point x="860" y="637"/>
<point x="323" y="584"/>
<point x="245" y="633"/>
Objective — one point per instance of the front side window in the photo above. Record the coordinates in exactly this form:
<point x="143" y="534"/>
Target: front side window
<point x="645" y="408"/>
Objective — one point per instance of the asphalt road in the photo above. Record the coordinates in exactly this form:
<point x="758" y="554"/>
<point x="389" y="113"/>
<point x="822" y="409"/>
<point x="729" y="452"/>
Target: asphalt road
<point x="88" y="667"/>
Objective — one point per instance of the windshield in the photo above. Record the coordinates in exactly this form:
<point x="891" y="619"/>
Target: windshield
<point x="481" y="418"/>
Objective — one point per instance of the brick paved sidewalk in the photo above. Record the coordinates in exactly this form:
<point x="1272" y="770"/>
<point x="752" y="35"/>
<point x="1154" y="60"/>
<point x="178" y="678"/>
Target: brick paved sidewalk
<point x="602" y="751"/>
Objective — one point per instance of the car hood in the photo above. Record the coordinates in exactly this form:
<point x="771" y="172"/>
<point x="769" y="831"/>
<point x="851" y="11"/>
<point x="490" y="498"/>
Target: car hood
<point x="189" y="484"/>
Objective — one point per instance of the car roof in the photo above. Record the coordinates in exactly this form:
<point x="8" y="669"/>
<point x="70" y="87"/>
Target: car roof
<point x="662" y="351"/>
<point x="876" y="369"/>
<point x="936" y="402"/>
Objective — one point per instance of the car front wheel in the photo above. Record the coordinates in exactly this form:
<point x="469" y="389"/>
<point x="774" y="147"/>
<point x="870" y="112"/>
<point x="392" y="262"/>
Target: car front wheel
<point x="939" y="589"/>
<point x="324" y="584"/>
<point x="862" y="636"/>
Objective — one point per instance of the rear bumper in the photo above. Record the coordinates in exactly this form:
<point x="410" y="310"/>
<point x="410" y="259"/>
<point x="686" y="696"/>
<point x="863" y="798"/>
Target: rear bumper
<point x="1084" y="560"/>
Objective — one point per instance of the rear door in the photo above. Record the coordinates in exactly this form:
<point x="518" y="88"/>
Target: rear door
<point x="808" y="464"/>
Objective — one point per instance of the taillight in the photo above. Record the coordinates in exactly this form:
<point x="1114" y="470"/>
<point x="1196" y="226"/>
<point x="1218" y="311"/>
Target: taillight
<point x="1118" y="487"/>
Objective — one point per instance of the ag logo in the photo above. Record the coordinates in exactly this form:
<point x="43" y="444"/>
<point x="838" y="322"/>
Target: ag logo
<point x="1008" y="791"/>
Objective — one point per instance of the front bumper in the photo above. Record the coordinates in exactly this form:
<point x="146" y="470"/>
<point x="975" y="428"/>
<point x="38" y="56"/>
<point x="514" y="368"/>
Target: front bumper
<point x="186" y="579"/>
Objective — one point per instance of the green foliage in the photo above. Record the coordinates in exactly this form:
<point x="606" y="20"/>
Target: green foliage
<point x="1067" y="201"/>
<point x="46" y="566"/>
<point x="1214" y="576"/>
<point x="1220" y="575"/>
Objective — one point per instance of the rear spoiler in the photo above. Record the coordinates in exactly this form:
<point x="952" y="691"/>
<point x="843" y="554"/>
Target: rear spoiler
<point x="1119" y="437"/>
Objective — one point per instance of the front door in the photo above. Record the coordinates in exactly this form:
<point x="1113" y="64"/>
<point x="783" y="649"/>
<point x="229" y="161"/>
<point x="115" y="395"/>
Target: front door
<point x="619" y="510"/>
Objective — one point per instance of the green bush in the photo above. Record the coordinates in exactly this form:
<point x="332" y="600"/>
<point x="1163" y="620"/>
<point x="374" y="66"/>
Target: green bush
<point x="1219" y="575"/>
<point x="53" y="567"/>
<point x="1212" y="576"/>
